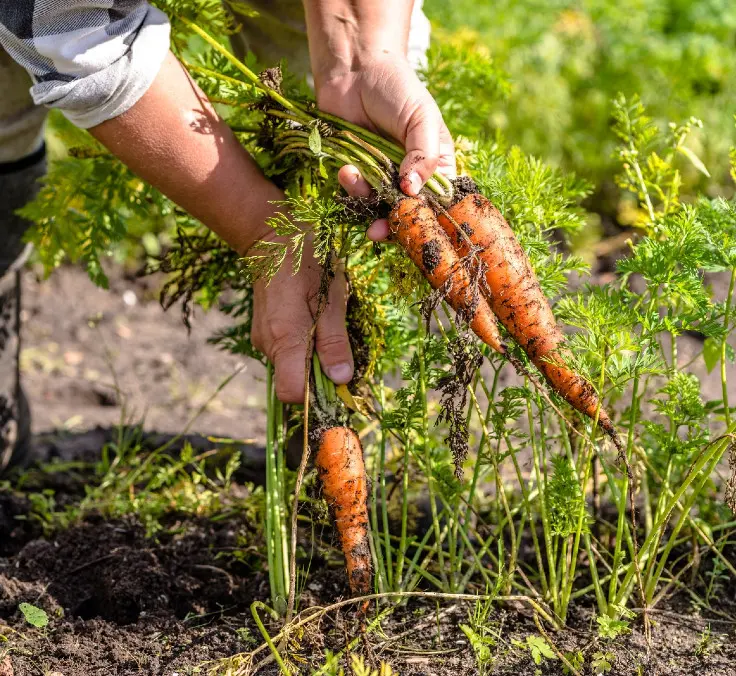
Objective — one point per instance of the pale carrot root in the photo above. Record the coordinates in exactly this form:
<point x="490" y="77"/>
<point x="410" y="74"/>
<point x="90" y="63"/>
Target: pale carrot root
<point x="341" y="469"/>
<point x="516" y="298"/>
<point x="415" y="227"/>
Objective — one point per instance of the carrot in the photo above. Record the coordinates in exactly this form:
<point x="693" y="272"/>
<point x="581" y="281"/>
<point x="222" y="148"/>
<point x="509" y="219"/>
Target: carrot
<point x="344" y="485"/>
<point x="415" y="227"/>
<point x="517" y="299"/>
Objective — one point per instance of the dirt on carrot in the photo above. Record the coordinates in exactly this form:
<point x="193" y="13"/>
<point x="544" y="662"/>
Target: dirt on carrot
<point x="345" y="488"/>
<point x="415" y="227"/>
<point x="517" y="299"/>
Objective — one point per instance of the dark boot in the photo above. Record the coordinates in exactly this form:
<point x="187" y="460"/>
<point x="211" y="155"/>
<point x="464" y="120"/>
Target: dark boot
<point x="18" y="185"/>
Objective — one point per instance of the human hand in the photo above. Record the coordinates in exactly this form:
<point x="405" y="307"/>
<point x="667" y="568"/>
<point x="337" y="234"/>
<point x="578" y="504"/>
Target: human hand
<point x="385" y="95"/>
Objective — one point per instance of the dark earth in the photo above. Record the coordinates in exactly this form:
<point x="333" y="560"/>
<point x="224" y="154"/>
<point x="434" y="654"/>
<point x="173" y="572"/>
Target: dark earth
<point x="121" y="603"/>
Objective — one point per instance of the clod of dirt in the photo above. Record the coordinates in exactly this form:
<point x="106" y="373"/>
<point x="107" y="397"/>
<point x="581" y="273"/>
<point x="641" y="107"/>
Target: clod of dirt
<point x="463" y="186"/>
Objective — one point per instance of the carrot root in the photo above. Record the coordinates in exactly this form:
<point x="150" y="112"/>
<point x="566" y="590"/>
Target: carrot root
<point x="341" y="470"/>
<point x="516" y="298"/>
<point x="415" y="227"/>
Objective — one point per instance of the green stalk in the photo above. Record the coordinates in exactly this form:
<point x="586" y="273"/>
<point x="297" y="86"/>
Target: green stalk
<point x="623" y="493"/>
<point x="551" y="567"/>
<point x="376" y="543"/>
<point x="404" y="511"/>
<point x="425" y="447"/>
<point x="281" y="505"/>
<point x="710" y="457"/>
<point x="384" y="494"/>
<point x="588" y="455"/>
<point x="220" y="49"/>
<point x="276" y="564"/>
<point x="724" y="344"/>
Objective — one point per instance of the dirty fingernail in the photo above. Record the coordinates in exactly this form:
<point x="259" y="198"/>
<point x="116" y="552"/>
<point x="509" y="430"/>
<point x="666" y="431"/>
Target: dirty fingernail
<point x="340" y="373"/>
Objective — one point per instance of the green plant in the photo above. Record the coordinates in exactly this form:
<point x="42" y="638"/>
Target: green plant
<point x="601" y="662"/>
<point x="537" y="647"/>
<point x="506" y="467"/>
<point x="483" y="635"/>
<point x="34" y="616"/>
<point x="610" y="628"/>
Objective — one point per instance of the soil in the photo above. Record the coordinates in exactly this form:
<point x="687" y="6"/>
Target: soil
<point x="98" y="358"/>
<point x="121" y="603"/>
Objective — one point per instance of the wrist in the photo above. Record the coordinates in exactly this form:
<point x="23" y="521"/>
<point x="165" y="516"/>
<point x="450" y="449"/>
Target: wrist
<point x="252" y="218"/>
<point x="344" y="35"/>
<point x="334" y="69"/>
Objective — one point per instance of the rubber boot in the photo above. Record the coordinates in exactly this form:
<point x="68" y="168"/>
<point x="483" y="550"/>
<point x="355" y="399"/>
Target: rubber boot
<point x="18" y="185"/>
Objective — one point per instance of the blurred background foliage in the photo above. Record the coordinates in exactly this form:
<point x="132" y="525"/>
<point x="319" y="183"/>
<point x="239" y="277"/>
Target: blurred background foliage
<point x="563" y="63"/>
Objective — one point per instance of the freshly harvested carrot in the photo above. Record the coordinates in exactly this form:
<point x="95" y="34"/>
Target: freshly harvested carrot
<point x="344" y="486"/>
<point x="415" y="227"/>
<point x="517" y="299"/>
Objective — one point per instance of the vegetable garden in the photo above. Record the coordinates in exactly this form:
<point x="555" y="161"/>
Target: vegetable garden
<point x="531" y="471"/>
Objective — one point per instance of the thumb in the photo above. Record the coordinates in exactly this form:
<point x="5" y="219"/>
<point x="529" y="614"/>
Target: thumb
<point x="422" y="143"/>
<point x="332" y="343"/>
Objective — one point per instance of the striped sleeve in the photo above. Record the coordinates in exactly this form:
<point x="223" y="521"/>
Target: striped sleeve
<point x="92" y="59"/>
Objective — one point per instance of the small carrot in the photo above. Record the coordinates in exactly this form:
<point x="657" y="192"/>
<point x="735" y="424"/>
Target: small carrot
<point x="341" y="470"/>
<point x="517" y="299"/>
<point x="415" y="227"/>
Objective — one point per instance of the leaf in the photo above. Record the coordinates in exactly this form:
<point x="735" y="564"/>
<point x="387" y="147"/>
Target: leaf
<point x="35" y="616"/>
<point x="602" y="662"/>
<point x="611" y="628"/>
<point x="539" y="648"/>
<point x="711" y="353"/>
<point x="694" y="159"/>
<point x="357" y="404"/>
<point x="315" y="141"/>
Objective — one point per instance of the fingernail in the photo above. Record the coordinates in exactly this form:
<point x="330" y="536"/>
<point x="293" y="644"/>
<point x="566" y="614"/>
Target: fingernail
<point x="353" y="176"/>
<point x="415" y="180"/>
<point x="341" y="374"/>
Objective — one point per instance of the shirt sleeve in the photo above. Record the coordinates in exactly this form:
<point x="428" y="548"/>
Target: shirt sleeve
<point x="92" y="59"/>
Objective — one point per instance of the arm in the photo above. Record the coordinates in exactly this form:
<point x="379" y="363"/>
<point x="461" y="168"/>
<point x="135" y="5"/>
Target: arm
<point x="111" y="72"/>
<point x="173" y="138"/>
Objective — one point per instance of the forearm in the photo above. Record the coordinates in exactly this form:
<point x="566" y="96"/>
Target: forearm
<point x="342" y="32"/>
<point x="174" y="139"/>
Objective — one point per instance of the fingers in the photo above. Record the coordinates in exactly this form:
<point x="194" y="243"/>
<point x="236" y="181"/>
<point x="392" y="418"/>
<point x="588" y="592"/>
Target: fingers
<point x="332" y="343"/>
<point x="422" y="143"/>
<point x="378" y="230"/>
<point x="353" y="183"/>
<point x="447" y="164"/>
<point x="283" y="337"/>
<point x="282" y="322"/>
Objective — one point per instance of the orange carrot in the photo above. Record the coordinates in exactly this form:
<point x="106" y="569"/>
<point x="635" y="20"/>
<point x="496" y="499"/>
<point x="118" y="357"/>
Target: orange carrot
<point x="517" y="299"/>
<point x="342" y="473"/>
<point x="415" y="227"/>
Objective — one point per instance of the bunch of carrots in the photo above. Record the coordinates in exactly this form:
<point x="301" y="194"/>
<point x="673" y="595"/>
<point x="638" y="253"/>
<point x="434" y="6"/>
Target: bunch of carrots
<point x="468" y="254"/>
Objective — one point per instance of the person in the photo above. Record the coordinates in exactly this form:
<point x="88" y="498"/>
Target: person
<point x="107" y="66"/>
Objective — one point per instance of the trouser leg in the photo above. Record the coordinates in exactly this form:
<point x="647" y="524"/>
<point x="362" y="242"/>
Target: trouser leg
<point x="22" y="163"/>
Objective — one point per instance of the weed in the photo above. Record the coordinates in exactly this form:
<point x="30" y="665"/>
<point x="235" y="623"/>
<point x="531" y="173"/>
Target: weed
<point x="34" y="616"/>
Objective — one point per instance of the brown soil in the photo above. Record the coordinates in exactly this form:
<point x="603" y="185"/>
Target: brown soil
<point x="120" y="603"/>
<point x="93" y="357"/>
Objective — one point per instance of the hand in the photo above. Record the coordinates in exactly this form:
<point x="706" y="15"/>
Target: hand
<point x="283" y="315"/>
<point x="384" y="94"/>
